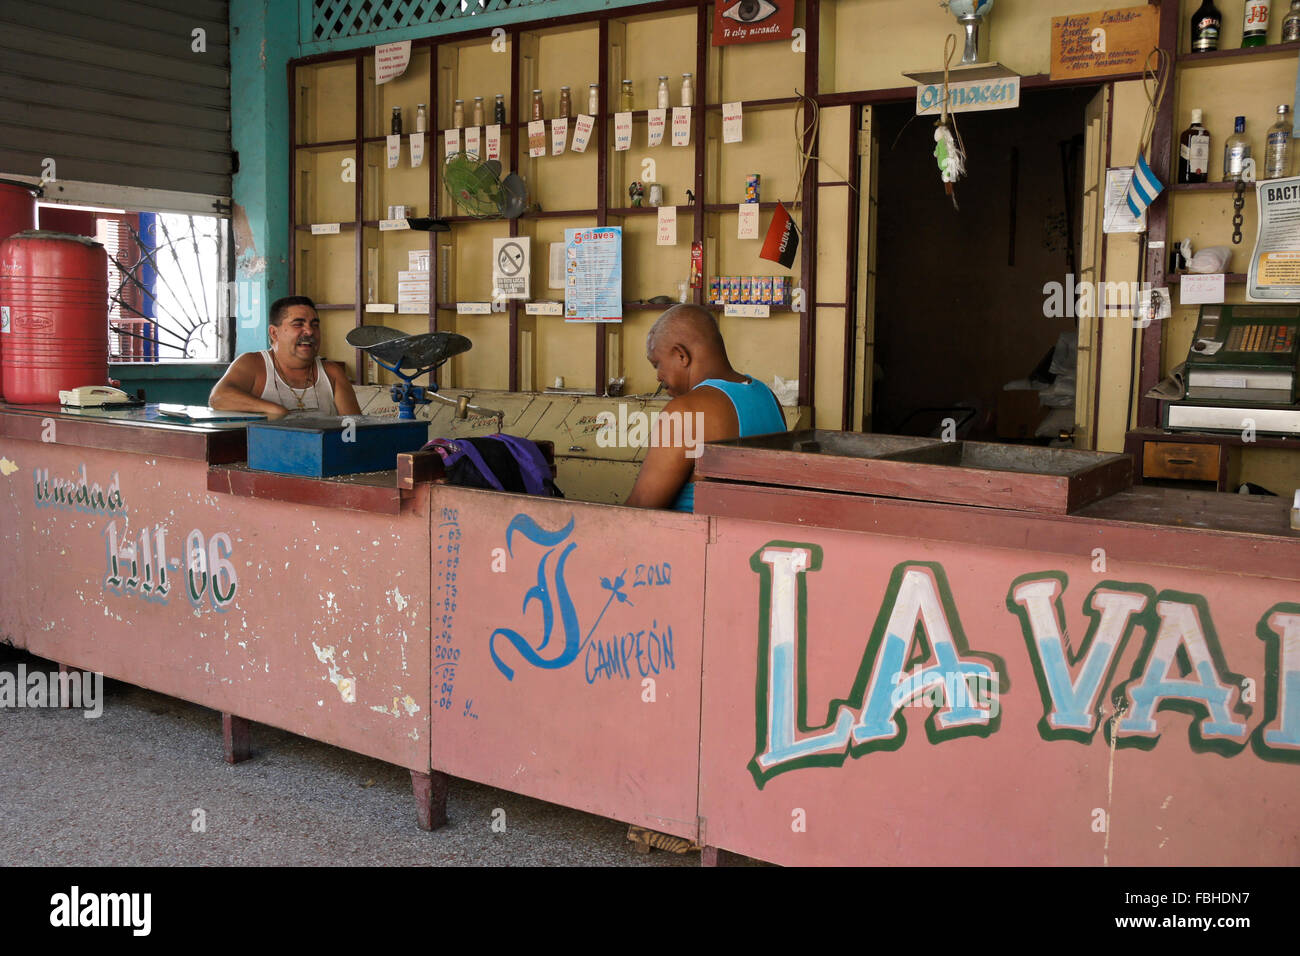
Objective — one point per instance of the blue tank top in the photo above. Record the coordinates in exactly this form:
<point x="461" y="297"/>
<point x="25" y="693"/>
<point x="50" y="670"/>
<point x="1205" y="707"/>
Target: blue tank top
<point x="757" y="411"/>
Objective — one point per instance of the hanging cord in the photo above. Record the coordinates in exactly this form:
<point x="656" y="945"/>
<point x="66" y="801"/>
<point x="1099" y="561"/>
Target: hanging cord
<point x="1155" y="83"/>
<point x="806" y="132"/>
<point x="946" y="118"/>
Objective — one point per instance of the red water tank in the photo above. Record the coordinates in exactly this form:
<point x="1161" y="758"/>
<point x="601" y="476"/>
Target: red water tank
<point x="53" y="315"/>
<point x="17" y="213"/>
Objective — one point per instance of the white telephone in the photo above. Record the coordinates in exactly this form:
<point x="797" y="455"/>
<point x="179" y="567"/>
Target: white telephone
<point x="93" y="396"/>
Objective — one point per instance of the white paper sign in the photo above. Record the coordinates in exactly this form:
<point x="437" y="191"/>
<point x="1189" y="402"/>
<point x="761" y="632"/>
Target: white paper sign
<point x="394" y="151"/>
<point x="392" y="225"/>
<point x="656" y="120"/>
<point x="555" y="277"/>
<point x="544" y="308"/>
<point x="510" y="267"/>
<point x="1201" y="290"/>
<point x="324" y="228"/>
<point x="1116" y="215"/>
<point x="391" y="60"/>
<point x="494" y="142"/>
<point x="582" y="127"/>
<point x="473" y="308"/>
<point x="417" y="149"/>
<point x="733" y="123"/>
<point x="559" y="133"/>
<point x="747" y="228"/>
<point x="667" y="226"/>
<point x="450" y="141"/>
<point x="473" y="141"/>
<point x="622" y="131"/>
<point x="747" y="311"/>
<point x="537" y="138"/>
<point x="381" y="307"/>
<point x="681" y="126"/>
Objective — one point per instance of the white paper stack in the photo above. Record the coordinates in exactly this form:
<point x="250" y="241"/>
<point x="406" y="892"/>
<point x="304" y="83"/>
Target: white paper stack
<point x="413" y="290"/>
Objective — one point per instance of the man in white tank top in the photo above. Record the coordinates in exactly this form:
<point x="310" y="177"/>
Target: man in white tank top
<point x="289" y="377"/>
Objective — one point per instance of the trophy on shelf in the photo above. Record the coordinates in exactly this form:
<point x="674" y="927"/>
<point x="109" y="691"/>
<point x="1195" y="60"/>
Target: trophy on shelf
<point x="970" y="14"/>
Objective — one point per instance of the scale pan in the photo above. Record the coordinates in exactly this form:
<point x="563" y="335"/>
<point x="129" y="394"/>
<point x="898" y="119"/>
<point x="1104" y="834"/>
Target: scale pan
<point x="366" y="336"/>
<point x="423" y="351"/>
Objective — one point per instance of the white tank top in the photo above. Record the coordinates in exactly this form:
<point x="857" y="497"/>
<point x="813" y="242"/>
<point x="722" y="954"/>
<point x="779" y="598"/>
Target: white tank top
<point x="319" y="398"/>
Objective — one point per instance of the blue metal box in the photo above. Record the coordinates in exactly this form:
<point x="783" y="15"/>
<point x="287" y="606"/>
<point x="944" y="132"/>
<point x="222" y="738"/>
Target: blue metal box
<point x="319" y="446"/>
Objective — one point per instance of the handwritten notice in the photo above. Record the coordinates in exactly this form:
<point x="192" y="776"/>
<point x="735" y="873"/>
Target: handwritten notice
<point x="324" y="228"/>
<point x="656" y="120"/>
<point x="394" y="144"/>
<point x="544" y="308"/>
<point x="582" y="128"/>
<point x="391" y="60"/>
<point x="494" y="142"/>
<point x="450" y="141"/>
<point x="472" y="142"/>
<point x="1201" y="289"/>
<point x="559" y="134"/>
<point x="1103" y="43"/>
<point x="667" y="226"/>
<point x="747" y="311"/>
<point x="393" y="225"/>
<point x="537" y="138"/>
<point x="417" y="149"/>
<point x="747" y="227"/>
<point x="473" y="308"/>
<point x="733" y="123"/>
<point x="681" y="126"/>
<point x="622" y="131"/>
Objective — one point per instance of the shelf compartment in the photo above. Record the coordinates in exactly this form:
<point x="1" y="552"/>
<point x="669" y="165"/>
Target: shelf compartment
<point x="1273" y="51"/>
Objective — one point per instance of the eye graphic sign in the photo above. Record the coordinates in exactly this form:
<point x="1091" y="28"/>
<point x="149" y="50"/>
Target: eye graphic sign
<point x="752" y="21"/>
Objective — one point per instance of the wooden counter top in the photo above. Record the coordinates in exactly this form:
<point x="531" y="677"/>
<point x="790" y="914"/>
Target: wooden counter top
<point x="214" y="444"/>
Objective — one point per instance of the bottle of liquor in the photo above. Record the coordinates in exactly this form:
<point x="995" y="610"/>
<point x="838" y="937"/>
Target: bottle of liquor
<point x="1277" y="156"/>
<point x="1291" y="25"/>
<point x="1235" y="152"/>
<point x="1194" y="152"/>
<point x="1206" y="22"/>
<point x="1254" y="26"/>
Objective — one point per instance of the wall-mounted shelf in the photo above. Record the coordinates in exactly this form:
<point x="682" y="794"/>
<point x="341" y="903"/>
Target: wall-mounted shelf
<point x="1216" y="187"/>
<point x="1273" y="51"/>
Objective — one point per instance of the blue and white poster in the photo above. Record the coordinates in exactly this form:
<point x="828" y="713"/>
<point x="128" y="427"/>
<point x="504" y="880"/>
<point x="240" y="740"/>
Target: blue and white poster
<point x="593" y="274"/>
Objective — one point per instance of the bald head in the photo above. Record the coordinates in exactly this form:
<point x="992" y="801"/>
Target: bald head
<point x="685" y="347"/>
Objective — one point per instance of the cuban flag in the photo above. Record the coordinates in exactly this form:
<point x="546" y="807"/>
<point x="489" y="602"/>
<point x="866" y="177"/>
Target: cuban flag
<point x="1144" y="188"/>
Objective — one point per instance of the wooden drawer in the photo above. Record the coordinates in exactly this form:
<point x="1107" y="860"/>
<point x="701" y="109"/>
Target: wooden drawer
<point x="1164" y="459"/>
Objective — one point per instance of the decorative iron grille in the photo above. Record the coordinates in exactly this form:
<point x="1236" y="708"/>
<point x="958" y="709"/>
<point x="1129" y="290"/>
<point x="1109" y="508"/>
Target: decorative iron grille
<point x="333" y="19"/>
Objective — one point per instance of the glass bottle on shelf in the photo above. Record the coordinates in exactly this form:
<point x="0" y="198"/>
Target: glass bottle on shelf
<point x="499" y="110"/>
<point x="1235" y="152"/>
<point x="420" y="119"/>
<point x="688" y="90"/>
<point x="1254" y="23"/>
<point x="662" y="98"/>
<point x="458" y="114"/>
<point x="593" y="96"/>
<point x="1291" y="25"/>
<point x="1194" y="151"/>
<point x="1277" y="156"/>
<point x="1206" y="22"/>
<point x="396" y="128"/>
<point x="539" y="109"/>
<point x="566" y="102"/>
<point x="625" y="97"/>
<point x="478" y="111"/>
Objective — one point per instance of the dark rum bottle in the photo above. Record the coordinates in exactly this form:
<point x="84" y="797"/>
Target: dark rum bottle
<point x="1194" y="152"/>
<point x="1206" y="24"/>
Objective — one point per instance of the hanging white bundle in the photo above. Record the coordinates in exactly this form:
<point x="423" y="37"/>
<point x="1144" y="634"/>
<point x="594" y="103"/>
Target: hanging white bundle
<point x="952" y="163"/>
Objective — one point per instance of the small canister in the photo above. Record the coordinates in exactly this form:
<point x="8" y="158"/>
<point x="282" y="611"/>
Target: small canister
<point x="752" y="187"/>
<point x="656" y="194"/>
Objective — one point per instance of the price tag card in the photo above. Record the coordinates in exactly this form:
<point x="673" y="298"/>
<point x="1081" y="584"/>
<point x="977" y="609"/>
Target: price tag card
<point x="417" y="149"/>
<point x="380" y="307"/>
<point x="494" y="142"/>
<point x="394" y="151"/>
<point x="473" y="308"/>
<point x="681" y="126"/>
<point x="656" y="119"/>
<point x="324" y="228"/>
<point x="450" y="141"/>
<point x="537" y="138"/>
<point x="559" y="133"/>
<point x="473" y="142"/>
<point x="667" y="226"/>
<point x="622" y="131"/>
<point x="747" y="228"/>
<point x="393" y="225"/>
<point x="544" y="308"/>
<point x="582" y="127"/>
<point x="732" y="123"/>
<point x="747" y="311"/>
<point x="1201" y="289"/>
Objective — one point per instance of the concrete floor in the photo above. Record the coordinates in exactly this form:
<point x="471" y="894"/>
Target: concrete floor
<point x="120" y="790"/>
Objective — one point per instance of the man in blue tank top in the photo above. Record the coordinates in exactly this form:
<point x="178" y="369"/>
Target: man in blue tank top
<point x="687" y="351"/>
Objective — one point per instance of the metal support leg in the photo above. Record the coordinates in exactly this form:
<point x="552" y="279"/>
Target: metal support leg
<point x="236" y="738"/>
<point x="430" y="798"/>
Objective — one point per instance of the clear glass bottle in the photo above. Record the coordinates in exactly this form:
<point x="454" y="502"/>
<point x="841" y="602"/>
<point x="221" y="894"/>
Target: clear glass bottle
<point x="1291" y="25"/>
<point x="593" y="96"/>
<point x="1206" y="22"/>
<point x="499" y="111"/>
<point x="663" y="98"/>
<point x="1254" y="23"/>
<point x="1277" y="155"/>
<point x="458" y="114"/>
<point x="421" y="121"/>
<point x="1194" y="151"/>
<point x="625" y="97"/>
<point x="478" y="111"/>
<point x="688" y="89"/>
<point x="1235" y="152"/>
<point x="566" y="102"/>
<point x="396" y="128"/>
<point x="539" y="108"/>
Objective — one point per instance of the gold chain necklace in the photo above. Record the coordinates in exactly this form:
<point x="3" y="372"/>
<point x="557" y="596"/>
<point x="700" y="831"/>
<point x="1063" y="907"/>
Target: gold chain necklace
<point x="292" y="391"/>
